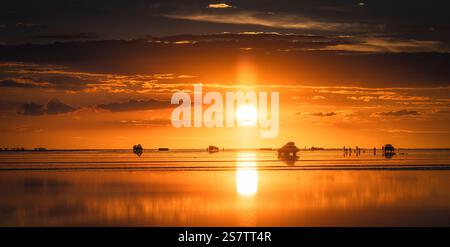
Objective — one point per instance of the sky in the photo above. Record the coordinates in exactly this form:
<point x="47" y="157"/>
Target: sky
<point x="100" y="74"/>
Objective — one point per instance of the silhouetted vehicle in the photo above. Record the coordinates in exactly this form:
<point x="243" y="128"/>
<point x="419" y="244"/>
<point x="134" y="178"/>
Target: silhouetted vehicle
<point x="388" y="151"/>
<point x="317" y="148"/>
<point x="138" y="150"/>
<point x="212" y="149"/>
<point x="288" y="151"/>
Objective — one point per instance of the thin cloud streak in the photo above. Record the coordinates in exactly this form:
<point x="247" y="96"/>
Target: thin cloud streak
<point x="277" y="21"/>
<point x="407" y="131"/>
<point x="398" y="113"/>
<point x="390" y="45"/>
<point x="218" y="6"/>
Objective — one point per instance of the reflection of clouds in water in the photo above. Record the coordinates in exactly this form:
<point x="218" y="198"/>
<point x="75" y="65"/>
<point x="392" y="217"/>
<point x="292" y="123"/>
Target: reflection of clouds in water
<point x="246" y="174"/>
<point x="246" y="196"/>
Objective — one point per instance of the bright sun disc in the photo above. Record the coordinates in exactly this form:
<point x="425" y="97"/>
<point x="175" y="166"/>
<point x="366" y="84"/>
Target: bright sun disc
<point x="246" y="115"/>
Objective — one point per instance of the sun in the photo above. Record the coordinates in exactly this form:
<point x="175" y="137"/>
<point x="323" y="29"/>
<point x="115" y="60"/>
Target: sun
<point x="247" y="115"/>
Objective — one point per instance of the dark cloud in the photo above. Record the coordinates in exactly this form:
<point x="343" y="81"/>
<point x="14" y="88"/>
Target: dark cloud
<point x="63" y="81"/>
<point x="121" y="19"/>
<point x="323" y="114"/>
<point x="292" y="58"/>
<point x="12" y="83"/>
<point x="53" y="107"/>
<point x="68" y="36"/>
<point x="256" y="40"/>
<point x="403" y="112"/>
<point x="48" y="81"/>
<point x="53" y="77"/>
<point x="135" y="105"/>
<point x="26" y="24"/>
<point x="33" y="109"/>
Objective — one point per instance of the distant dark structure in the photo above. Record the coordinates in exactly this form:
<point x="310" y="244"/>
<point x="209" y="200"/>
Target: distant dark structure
<point x="138" y="150"/>
<point x="317" y="148"/>
<point x="288" y="151"/>
<point x="212" y="149"/>
<point x="388" y="151"/>
<point x="13" y="149"/>
<point x="163" y="149"/>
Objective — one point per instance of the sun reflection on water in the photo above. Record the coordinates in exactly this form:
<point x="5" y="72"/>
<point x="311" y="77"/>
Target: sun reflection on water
<point x="246" y="174"/>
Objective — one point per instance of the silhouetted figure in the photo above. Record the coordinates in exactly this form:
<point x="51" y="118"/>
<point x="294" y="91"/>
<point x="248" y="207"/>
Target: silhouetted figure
<point x="374" y="151"/>
<point x="138" y="150"/>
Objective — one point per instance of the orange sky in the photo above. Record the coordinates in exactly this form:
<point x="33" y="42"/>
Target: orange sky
<point x="321" y="116"/>
<point x="72" y="97"/>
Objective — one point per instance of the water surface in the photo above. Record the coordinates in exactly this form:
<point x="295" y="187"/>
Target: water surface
<point x="231" y="188"/>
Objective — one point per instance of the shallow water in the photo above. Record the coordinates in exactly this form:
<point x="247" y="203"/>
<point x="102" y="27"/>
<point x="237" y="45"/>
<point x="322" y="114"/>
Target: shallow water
<point x="231" y="188"/>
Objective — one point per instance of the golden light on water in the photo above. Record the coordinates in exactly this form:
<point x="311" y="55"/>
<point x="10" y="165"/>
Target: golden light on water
<point x="247" y="174"/>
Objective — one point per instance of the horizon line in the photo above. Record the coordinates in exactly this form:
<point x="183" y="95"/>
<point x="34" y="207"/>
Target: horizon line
<point x="197" y="148"/>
